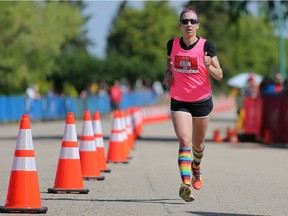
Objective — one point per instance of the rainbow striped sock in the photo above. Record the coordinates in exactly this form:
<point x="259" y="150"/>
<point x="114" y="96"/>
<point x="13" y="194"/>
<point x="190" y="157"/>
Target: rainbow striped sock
<point x="184" y="163"/>
<point x="197" y="158"/>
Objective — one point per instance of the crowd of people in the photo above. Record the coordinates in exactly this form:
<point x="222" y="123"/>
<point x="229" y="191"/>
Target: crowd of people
<point x="119" y="88"/>
<point x="276" y="86"/>
<point x="268" y="86"/>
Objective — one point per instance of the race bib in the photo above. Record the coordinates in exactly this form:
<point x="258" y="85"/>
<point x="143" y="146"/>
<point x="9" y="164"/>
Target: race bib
<point x="186" y="64"/>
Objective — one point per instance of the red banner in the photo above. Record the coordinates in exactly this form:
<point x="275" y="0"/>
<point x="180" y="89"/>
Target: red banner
<point x="253" y="115"/>
<point x="267" y="117"/>
<point x="275" y="118"/>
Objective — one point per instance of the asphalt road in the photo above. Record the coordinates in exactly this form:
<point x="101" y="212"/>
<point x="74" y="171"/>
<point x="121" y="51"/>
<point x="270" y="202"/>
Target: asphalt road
<point x="239" y="179"/>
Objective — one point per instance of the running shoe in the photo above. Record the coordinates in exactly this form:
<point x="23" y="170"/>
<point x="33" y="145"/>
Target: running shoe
<point x="197" y="179"/>
<point x="185" y="193"/>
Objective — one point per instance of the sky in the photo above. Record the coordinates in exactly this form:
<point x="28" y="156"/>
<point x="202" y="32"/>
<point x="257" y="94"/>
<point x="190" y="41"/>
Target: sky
<point x="102" y="14"/>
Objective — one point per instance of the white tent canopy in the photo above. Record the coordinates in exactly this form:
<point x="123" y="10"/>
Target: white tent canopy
<point x="240" y="80"/>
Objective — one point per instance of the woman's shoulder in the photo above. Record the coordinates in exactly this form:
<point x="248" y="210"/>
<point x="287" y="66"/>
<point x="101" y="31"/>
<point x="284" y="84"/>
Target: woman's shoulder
<point x="170" y="41"/>
<point x="210" y="48"/>
<point x="209" y="43"/>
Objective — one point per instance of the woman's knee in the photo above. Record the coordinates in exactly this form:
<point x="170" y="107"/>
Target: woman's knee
<point x="199" y="146"/>
<point x="185" y="142"/>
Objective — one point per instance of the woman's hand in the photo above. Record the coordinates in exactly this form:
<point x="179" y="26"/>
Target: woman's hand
<point x="213" y="66"/>
<point x="207" y="60"/>
<point x="168" y="78"/>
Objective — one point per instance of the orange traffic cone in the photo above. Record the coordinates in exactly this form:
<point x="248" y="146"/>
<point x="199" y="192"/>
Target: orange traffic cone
<point x="24" y="193"/>
<point x="234" y="136"/>
<point x="125" y="136"/>
<point x="228" y="135"/>
<point x="129" y="127"/>
<point x="217" y="136"/>
<point x="87" y="149"/>
<point x="69" y="175"/>
<point x="116" y="152"/>
<point x="137" y="122"/>
<point x="97" y="129"/>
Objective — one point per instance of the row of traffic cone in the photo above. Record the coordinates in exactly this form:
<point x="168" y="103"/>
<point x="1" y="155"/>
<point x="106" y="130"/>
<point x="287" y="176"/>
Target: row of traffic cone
<point x="231" y="136"/>
<point x="74" y="164"/>
<point x="155" y="113"/>
<point x="119" y="145"/>
<point x="87" y="163"/>
<point x="127" y="126"/>
<point x="88" y="151"/>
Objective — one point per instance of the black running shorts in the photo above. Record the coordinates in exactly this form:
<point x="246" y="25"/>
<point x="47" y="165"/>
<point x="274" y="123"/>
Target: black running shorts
<point x="198" y="109"/>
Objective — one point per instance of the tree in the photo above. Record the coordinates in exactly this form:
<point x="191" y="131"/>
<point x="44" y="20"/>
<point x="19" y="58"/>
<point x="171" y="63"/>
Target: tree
<point x="76" y="69"/>
<point x="141" y="36"/>
<point x="241" y="38"/>
<point x="32" y="35"/>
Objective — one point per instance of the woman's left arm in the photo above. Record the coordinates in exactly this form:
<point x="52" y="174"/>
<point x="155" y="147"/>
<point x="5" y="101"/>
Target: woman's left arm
<point x="213" y="66"/>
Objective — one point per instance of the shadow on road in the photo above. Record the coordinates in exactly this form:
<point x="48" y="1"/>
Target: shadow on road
<point x="3" y="138"/>
<point x="219" y="214"/>
<point x="160" y="201"/>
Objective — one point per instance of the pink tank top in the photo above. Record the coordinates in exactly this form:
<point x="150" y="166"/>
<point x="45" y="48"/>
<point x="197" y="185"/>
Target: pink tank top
<point x="191" y="78"/>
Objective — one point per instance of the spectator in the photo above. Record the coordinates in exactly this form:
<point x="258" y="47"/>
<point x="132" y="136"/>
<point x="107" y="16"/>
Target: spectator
<point x="32" y="94"/>
<point x="278" y="83"/>
<point x="103" y="89"/>
<point x="285" y="87"/>
<point x="93" y="89"/>
<point x="158" y="88"/>
<point x="124" y="86"/>
<point x="267" y="86"/>
<point x="116" y="95"/>
<point x="83" y="94"/>
<point x="252" y="89"/>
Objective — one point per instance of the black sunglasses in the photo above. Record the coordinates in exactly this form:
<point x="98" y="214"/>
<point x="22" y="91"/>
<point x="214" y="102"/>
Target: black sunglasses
<point x="186" y="21"/>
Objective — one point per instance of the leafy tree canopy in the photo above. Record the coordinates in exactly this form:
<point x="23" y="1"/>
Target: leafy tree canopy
<point x="32" y="34"/>
<point x="142" y="35"/>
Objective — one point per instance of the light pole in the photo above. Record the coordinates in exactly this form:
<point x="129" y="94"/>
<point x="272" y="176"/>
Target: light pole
<point x="282" y="51"/>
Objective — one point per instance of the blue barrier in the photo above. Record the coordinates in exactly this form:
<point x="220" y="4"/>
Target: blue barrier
<point x="2" y="108"/>
<point x="51" y="108"/>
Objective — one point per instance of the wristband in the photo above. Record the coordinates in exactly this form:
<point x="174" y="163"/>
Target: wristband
<point x="167" y="71"/>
